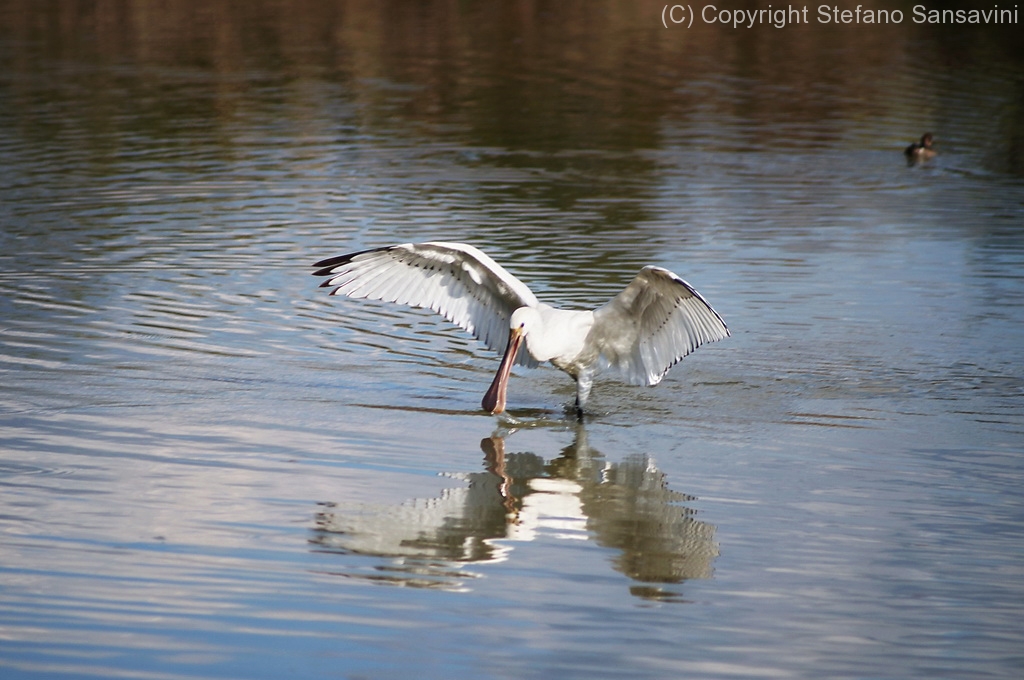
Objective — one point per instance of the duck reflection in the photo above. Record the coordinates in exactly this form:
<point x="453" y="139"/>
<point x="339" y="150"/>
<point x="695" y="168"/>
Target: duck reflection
<point x="626" y="506"/>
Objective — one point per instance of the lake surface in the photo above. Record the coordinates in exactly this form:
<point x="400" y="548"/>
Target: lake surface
<point x="211" y="469"/>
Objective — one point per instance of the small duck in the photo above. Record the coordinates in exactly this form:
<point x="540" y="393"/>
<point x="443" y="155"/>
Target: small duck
<point x="920" y="152"/>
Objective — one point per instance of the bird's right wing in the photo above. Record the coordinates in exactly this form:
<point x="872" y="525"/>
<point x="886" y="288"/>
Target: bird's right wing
<point x="651" y="325"/>
<point x="456" y="280"/>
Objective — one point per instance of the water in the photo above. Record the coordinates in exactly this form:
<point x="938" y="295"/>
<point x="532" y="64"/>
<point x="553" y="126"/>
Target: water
<point x="210" y="469"/>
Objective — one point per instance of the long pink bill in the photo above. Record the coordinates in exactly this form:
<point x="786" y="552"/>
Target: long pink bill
<point x="494" y="399"/>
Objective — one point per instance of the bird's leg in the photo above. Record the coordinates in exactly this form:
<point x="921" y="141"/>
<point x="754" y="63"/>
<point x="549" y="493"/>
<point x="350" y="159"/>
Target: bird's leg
<point x="584" y="381"/>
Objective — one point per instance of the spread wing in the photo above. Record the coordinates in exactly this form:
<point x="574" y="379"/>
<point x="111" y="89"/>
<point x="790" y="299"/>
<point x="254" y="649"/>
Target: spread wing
<point x="651" y="325"/>
<point x="456" y="280"/>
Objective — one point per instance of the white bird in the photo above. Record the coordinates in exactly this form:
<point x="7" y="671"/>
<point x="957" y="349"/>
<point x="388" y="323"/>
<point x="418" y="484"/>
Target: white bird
<point x="639" y="334"/>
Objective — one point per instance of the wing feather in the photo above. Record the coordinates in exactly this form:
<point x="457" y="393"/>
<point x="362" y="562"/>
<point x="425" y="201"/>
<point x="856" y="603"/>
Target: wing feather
<point x="456" y="280"/>
<point x="651" y="325"/>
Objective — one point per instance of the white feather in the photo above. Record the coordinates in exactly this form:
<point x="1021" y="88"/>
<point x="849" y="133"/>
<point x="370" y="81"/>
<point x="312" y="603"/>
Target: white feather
<point x="656" y="321"/>
<point x="455" y="280"/>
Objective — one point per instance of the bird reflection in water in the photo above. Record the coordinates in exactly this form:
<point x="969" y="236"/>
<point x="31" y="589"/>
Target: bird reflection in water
<point x="430" y="543"/>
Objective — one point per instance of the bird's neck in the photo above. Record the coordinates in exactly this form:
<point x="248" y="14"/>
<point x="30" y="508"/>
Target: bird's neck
<point x="561" y="335"/>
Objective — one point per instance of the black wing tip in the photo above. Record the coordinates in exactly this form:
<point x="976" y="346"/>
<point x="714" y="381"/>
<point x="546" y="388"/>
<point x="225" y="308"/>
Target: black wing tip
<point x="326" y="271"/>
<point x="325" y="267"/>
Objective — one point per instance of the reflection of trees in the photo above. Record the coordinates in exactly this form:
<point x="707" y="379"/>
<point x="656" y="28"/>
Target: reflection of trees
<point x="626" y="506"/>
<point x="552" y="108"/>
<point x="522" y="73"/>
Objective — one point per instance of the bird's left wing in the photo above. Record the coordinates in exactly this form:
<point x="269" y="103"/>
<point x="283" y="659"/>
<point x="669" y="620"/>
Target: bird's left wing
<point x="456" y="280"/>
<point x="651" y="325"/>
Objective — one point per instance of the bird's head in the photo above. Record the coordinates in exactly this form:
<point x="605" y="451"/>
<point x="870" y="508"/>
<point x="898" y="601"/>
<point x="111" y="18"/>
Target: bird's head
<point x="523" y="320"/>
